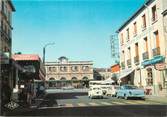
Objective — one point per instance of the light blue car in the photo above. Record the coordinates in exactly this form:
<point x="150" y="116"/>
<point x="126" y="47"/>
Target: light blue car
<point x="130" y="91"/>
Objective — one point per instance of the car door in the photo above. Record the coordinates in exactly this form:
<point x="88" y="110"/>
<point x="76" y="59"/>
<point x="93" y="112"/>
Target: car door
<point x="122" y="91"/>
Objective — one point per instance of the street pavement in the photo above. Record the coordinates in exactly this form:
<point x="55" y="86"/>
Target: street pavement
<point x="78" y="104"/>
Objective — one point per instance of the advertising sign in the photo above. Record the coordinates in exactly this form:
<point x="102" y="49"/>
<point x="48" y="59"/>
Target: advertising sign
<point x="160" y="66"/>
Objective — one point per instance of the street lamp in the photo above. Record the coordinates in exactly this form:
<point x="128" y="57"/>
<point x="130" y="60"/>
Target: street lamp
<point x="44" y="51"/>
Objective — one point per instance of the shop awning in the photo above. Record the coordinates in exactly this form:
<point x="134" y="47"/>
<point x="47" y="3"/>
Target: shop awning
<point x="125" y="73"/>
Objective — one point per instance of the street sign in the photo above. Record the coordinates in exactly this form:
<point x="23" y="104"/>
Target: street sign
<point x="160" y="66"/>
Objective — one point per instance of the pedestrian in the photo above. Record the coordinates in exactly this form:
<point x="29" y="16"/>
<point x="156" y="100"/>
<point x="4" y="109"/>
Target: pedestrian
<point x="6" y="92"/>
<point x="42" y="89"/>
<point x="29" y="90"/>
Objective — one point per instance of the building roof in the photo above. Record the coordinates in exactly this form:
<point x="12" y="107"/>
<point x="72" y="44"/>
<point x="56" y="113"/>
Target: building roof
<point x="114" y="65"/>
<point x="135" y="14"/>
<point x="11" y="4"/>
<point x="101" y="69"/>
<point x="26" y="57"/>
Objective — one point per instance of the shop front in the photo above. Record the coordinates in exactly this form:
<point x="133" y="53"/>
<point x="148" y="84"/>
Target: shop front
<point x="155" y="75"/>
<point x="126" y="76"/>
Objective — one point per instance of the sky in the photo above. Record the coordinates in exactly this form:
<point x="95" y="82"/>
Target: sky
<point x="81" y="30"/>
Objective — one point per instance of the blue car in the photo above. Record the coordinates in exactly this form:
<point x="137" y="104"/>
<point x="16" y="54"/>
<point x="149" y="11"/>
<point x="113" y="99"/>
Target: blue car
<point x="130" y="91"/>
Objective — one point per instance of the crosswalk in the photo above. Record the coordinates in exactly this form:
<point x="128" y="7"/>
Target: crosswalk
<point x="81" y="104"/>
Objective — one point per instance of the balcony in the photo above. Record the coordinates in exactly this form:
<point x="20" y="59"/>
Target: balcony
<point x="136" y="60"/>
<point x="129" y="63"/>
<point x="127" y="39"/>
<point x="145" y="55"/>
<point x="143" y="27"/>
<point x="134" y="34"/>
<point x="156" y="51"/>
<point x="123" y="65"/>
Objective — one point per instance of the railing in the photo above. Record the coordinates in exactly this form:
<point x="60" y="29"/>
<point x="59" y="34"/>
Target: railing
<point x="143" y="27"/>
<point x="123" y="65"/>
<point x="136" y="59"/>
<point x="156" y="51"/>
<point x="129" y="62"/>
<point x="145" y="55"/>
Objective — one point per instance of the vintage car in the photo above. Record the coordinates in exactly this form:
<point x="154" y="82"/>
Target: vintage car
<point x="130" y="91"/>
<point x="95" y="92"/>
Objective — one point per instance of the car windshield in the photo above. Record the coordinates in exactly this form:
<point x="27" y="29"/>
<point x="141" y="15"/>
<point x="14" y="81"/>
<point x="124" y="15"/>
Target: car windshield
<point x="130" y="87"/>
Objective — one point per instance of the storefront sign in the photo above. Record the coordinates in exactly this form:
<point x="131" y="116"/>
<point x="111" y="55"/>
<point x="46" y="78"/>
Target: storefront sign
<point x="153" y="61"/>
<point x="160" y="66"/>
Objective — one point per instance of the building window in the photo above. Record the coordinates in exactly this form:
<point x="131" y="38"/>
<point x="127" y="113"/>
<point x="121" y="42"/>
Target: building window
<point x="129" y="53"/>
<point x="156" y="35"/>
<point x="136" y="49"/>
<point x="146" y="44"/>
<point x="123" y="56"/>
<point x="127" y="32"/>
<point x="144" y="21"/>
<point x="135" y="28"/>
<point x="74" y="68"/>
<point x="149" y="79"/>
<point x="52" y="69"/>
<point x="63" y="69"/>
<point x="122" y="39"/>
<point x="154" y="13"/>
<point x="85" y="68"/>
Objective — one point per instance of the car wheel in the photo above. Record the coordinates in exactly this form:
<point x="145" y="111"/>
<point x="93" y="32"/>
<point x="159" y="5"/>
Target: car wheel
<point x="143" y="98"/>
<point x="125" y="97"/>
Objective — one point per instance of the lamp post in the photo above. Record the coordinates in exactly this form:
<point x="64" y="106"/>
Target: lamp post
<point x="44" y="51"/>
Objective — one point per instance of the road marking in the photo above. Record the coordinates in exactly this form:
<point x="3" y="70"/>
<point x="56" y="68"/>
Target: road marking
<point x="120" y="103"/>
<point x="154" y="102"/>
<point x="106" y="103"/>
<point x="93" y="104"/>
<point x="82" y="104"/>
<point x="47" y="107"/>
<point x="68" y="105"/>
<point x="128" y="102"/>
<point x="141" y="102"/>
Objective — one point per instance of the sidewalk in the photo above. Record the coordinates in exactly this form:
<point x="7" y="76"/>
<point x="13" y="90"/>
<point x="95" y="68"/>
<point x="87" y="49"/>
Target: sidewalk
<point x="24" y="107"/>
<point x="162" y="99"/>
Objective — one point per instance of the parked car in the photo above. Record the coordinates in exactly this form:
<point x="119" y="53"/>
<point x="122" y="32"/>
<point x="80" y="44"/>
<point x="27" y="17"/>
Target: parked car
<point x="95" y="92"/>
<point x="109" y="90"/>
<point x="114" y="90"/>
<point x="130" y="91"/>
<point x="68" y="88"/>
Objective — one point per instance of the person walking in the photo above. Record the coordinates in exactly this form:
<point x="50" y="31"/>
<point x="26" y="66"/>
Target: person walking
<point x="29" y="89"/>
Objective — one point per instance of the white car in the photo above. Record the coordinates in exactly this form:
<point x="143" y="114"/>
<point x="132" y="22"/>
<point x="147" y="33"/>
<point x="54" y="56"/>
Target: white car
<point x="95" y="92"/>
<point x="68" y="88"/>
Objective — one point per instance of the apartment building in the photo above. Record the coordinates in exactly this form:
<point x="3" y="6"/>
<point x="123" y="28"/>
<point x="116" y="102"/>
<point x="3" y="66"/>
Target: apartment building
<point x="6" y="9"/>
<point x="69" y="73"/>
<point x="143" y="43"/>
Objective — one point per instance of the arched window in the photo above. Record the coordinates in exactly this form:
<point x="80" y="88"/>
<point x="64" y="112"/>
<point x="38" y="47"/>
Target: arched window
<point x="62" y="78"/>
<point x="85" y="78"/>
<point x="74" y="68"/>
<point x="51" y="78"/>
<point x="85" y="68"/>
<point x="73" y="78"/>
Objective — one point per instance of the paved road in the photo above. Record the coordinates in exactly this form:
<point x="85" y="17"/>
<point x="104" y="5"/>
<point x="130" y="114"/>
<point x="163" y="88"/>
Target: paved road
<point x="78" y="104"/>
